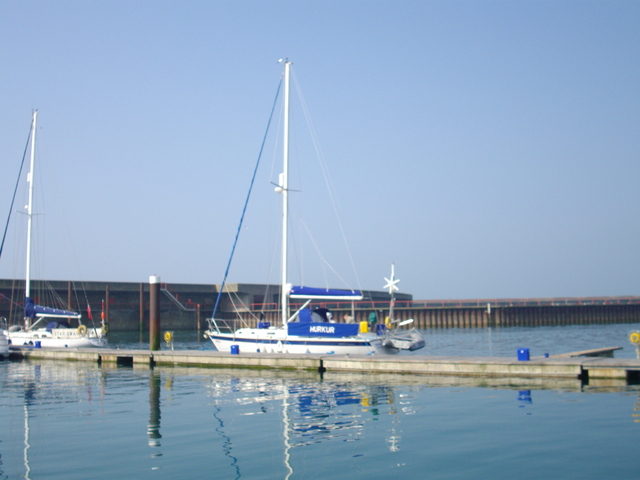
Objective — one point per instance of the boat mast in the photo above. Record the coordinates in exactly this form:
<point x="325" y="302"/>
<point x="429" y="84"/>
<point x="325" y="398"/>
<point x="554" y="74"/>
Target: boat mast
<point x="30" y="204"/>
<point x="284" y="185"/>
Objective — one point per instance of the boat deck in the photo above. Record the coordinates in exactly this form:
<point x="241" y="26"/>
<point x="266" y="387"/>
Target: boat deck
<point x="581" y="366"/>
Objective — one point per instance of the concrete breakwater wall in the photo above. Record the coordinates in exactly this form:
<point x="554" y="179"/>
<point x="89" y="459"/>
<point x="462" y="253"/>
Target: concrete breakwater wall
<point x="125" y="307"/>
<point x="493" y="316"/>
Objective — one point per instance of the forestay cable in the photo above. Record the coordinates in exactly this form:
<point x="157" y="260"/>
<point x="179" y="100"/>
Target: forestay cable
<point x="6" y="227"/>
<point x="244" y="209"/>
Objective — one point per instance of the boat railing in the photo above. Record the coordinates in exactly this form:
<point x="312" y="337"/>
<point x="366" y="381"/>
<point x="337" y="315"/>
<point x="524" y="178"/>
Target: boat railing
<point x="220" y="325"/>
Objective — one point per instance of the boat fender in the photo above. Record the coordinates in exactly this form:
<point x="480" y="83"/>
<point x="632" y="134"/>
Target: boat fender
<point x="634" y="338"/>
<point x="82" y="330"/>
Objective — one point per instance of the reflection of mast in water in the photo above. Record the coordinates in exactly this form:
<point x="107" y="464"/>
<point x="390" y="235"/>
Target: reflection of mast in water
<point x="29" y="395"/>
<point x="226" y="445"/>
<point x="154" y="411"/>
<point x="329" y="411"/>
<point x="27" y="467"/>
<point x="394" y="438"/>
<point x="314" y="412"/>
<point x="285" y="422"/>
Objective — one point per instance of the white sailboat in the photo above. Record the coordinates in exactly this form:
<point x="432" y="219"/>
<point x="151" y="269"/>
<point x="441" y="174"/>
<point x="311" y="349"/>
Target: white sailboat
<point x="306" y="330"/>
<point x="46" y="326"/>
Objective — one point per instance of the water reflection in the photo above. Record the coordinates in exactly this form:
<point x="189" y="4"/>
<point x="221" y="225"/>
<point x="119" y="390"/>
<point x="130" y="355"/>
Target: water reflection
<point x="311" y="411"/>
<point x="524" y="397"/>
<point x="153" y="430"/>
<point x="238" y="420"/>
<point x="227" y="445"/>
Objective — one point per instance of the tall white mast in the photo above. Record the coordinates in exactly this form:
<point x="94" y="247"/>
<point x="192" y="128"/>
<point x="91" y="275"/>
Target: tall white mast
<point x="284" y="184"/>
<point x="30" y="179"/>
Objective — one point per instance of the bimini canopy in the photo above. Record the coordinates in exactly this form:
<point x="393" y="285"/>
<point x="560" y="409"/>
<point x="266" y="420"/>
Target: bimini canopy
<point x="32" y="310"/>
<point x="324" y="293"/>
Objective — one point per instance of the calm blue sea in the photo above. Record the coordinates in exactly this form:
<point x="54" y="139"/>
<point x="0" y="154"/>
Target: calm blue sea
<point x="66" y="420"/>
<point x="485" y="342"/>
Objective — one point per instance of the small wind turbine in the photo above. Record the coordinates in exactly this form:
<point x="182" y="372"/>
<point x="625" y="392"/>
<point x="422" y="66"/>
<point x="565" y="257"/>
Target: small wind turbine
<point x="392" y="282"/>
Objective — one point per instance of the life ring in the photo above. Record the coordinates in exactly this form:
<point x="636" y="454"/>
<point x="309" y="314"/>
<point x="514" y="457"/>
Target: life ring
<point x="168" y="336"/>
<point x="634" y="337"/>
<point x="82" y="330"/>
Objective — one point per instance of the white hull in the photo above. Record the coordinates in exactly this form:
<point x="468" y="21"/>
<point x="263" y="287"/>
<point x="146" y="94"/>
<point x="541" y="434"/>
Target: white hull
<point x="57" y="338"/>
<point x="276" y="340"/>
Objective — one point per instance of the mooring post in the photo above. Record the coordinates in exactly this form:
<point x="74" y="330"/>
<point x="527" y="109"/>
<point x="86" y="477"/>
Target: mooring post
<point x="154" y="312"/>
<point x="107" y="301"/>
<point x="141" y="310"/>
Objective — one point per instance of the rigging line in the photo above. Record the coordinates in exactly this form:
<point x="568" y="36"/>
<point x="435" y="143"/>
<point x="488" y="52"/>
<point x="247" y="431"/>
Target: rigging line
<point x="11" y="301"/>
<point x="274" y="154"/>
<point x="24" y="155"/>
<point x="314" y="139"/>
<point x="268" y="285"/>
<point x="324" y="260"/>
<point x="244" y="209"/>
<point x="235" y="303"/>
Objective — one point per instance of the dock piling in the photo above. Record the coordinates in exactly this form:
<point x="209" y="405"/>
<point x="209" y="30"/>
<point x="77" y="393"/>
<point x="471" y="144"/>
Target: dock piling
<point x="154" y="313"/>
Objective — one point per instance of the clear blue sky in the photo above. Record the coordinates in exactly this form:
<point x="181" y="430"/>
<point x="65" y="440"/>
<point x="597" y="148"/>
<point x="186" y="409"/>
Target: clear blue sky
<point x="489" y="148"/>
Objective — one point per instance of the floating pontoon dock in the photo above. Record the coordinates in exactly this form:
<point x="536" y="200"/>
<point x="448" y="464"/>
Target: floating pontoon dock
<point x="578" y="365"/>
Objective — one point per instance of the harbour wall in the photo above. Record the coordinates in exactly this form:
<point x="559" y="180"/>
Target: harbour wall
<point x="125" y="306"/>
<point x="495" y="313"/>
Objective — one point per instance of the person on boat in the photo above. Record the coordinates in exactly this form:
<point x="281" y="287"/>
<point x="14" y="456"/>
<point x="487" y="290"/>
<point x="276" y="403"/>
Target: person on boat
<point x="322" y="315"/>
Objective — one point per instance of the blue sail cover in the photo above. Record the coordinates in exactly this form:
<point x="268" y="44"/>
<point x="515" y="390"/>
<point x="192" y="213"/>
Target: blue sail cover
<point x="32" y="310"/>
<point x="323" y="329"/>
<point x="324" y="293"/>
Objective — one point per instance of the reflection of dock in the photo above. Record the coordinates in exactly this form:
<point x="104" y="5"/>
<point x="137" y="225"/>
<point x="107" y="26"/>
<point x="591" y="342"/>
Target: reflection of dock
<point x="582" y="367"/>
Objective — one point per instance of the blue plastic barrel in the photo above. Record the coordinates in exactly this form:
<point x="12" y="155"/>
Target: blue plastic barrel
<point x="38" y="344"/>
<point x="523" y="354"/>
<point x="235" y="349"/>
<point x="381" y="328"/>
